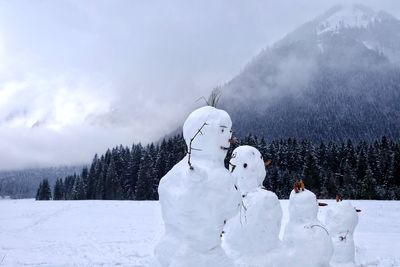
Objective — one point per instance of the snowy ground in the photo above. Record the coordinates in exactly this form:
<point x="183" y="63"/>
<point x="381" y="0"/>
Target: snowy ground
<point x="123" y="233"/>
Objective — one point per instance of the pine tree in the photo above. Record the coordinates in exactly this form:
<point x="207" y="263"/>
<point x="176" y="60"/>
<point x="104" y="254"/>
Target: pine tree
<point x="111" y="181"/>
<point x="159" y="169"/>
<point x="136" y="161"/>
<point x="101" y="181"/>
<point x="347" y="188"/>
<point x="395" y="171"/>
<point x="362" y="165"/>
<point x="44" y="192"/>
<point x="385" y="161"/>
<point x="286" y="183"/>
<point x="126" y="174"/>
<point x="368" y="185"/>
<point x="78" y="192"/>
<point x="271" y="180"/>
<point x="69" y="182"/>
<point x="100" y="170"/>
<point x="333" y="158"/>
<point x="250" y="140"/>
<point x="294" y="163"/>
<point x="263" y="148"/>
<point x="58" y="193"/>
<point x="144" y="186"/>
<point x="311" y="172"/>
<point x="39" y="191"/>
<point x="90" y="190"/>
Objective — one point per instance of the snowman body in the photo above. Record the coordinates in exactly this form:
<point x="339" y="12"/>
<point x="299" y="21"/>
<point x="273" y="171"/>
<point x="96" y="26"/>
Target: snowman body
<point x="198" y="195"/>
<point x="251" y="238"/>
<point x="341" y="221"/>
<point x="306" y="239"/>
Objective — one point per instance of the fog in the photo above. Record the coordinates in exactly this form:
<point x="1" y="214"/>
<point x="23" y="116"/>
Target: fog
<point x="79" y="76"/>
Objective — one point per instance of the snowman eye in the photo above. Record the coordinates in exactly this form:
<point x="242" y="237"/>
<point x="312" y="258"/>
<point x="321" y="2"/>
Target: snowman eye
<point x="222" y="130"/>
<point x="245" y="165"/>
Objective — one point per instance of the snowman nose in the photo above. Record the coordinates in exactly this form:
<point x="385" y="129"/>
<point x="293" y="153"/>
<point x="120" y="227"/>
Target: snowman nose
<point x="232" y="167"/>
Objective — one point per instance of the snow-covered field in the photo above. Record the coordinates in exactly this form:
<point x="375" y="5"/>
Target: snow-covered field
<point x="123" y="233"/>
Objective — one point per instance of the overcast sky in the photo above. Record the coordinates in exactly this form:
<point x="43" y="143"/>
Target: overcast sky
<point x="79" y="76"/>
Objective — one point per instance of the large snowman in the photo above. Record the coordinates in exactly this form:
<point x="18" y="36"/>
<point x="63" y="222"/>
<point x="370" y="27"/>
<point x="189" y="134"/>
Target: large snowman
<point x="307" y="241"/>
<point x="198" y="195"/>
<point x="341" y="221"/>
<point x="251" y="238"/>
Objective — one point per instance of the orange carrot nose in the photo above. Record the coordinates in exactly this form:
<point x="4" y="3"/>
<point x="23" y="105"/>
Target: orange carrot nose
<point x="267" y="162"/>
<point x="302" y="185"/>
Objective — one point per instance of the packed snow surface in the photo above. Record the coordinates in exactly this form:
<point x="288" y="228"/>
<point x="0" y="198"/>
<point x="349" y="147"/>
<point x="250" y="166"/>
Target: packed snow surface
<point x="124" y="233"/>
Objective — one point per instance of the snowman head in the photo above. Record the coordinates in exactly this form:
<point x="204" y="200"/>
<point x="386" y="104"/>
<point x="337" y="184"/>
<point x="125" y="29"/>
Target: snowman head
<point x="247" y="166"/>
<point x="208" y="131"/>
<point x="342" y="217"/>
<point x="303" y="206"/>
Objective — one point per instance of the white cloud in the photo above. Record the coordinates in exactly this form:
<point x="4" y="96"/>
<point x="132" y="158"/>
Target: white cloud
<point x="53" y="102"/>
<point x="93" y="74"/>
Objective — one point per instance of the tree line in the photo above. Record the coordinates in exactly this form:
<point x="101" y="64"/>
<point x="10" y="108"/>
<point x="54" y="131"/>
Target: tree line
<point x="24" y="183"/>
<point x="123" y="173"/>
<point x="354" y="171"/>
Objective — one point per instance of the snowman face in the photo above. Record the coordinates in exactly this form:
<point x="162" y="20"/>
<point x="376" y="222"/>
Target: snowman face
<point x="247" y="166"/>
<point x="303" y="206"/>
<point x="224" y="135"/>
<point x="214" y="131"/>
<point x="341" y="217"/>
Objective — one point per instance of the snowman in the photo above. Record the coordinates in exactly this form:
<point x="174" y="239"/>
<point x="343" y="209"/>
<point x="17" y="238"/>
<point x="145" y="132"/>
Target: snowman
<point x="251" y="238"/>
<point x="306" y="240"/>
<point x="198" y="195"/>
<point x="341" y="220"/>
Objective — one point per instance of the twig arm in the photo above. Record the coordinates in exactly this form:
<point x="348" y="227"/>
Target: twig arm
<point x="190" y="145"/>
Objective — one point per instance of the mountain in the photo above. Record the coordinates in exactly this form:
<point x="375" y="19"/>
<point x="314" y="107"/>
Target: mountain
<point x="24" y="183"/>
<point x="335" y="77"/>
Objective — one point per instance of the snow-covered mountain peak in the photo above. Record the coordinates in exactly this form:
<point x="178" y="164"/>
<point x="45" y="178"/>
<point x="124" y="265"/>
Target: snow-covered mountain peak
<point x="349" y="16"/>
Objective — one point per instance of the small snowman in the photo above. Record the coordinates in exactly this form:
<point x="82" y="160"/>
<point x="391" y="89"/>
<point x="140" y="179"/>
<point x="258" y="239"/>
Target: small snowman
<point x="198" y="195"/>
<point x="306" y="240"/>
<point x="251" y="238"/>
<point x="341" y="220"/>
